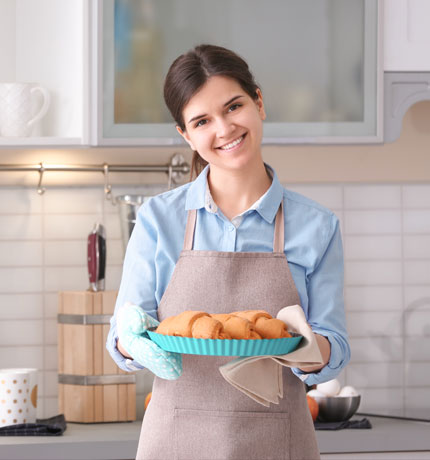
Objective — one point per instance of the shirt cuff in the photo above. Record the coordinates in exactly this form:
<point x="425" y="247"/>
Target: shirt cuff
<point x="332" y="369"/>
<point x="126" y="364"/>
<point x="314" y="378"/>
<point x="133" y="365"/>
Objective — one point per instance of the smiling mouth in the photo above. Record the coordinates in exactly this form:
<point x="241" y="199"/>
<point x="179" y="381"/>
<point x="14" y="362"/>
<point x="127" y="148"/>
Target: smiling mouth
<point x="233" y="144"/>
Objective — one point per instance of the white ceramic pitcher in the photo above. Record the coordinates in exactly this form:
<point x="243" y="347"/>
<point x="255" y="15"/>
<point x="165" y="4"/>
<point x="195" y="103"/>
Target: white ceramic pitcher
<point x="17" y="117"/>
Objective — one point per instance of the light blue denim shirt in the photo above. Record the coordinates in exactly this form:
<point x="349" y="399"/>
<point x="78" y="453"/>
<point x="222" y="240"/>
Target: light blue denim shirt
<point x="313" y="248"/>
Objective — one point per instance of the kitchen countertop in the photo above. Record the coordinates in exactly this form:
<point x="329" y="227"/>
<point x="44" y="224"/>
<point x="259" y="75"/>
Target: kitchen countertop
<point x="386" y="435"/>
<point x="119" y="441"/>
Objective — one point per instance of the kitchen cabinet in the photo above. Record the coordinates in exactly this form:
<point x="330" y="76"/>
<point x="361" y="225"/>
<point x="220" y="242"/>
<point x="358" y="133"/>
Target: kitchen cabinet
<point x="401" y="91"/>
<point x="406" y="60"/>
<point x="319" y="65"/>
<point x="406" y="36"/>
<point x="341" y="95"/>
<point x="46" y="42"/>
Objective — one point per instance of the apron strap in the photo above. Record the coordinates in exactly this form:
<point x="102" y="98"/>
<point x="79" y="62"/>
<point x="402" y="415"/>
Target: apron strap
<point x="189" y="230"/>
<point x="278" y="237"/>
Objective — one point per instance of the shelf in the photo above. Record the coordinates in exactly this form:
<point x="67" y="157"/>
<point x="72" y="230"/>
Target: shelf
<point x="17" y="142"/>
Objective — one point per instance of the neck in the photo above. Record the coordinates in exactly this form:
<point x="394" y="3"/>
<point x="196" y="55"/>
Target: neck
<point x="235" y="191"/>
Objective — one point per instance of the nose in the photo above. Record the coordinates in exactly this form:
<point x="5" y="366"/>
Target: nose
<point x="224" y="127"/>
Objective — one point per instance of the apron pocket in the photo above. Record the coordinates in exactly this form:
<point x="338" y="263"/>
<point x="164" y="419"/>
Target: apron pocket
<point x="224" y="435"/>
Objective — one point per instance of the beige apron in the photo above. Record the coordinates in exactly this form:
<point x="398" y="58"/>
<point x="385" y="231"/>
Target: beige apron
<point x="200" y="416"/>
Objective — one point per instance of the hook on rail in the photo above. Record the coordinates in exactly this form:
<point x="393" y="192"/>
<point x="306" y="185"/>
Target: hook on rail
<point x="108" y="187"/>
<point x="170" y="178"/>
<point x="40" y="189"/>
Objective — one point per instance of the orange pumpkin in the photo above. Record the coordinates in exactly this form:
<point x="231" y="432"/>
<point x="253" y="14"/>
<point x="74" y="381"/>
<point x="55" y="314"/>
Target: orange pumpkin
<point x="147" y="399"/>
<point x="313" y="407"/>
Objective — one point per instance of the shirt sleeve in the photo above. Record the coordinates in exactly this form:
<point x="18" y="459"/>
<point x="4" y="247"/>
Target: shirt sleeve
<point x="138" y="282"/>
<point x="326" y="312"/>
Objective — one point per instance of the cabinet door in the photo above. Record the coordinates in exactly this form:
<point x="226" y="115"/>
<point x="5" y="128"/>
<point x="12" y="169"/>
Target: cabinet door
<point x="407" y="35"/>
<point x="44" y="42"/>
<point x="316" y="62"/>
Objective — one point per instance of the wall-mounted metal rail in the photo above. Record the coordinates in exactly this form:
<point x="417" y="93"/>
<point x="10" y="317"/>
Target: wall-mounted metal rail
<point x="175" y="170"/>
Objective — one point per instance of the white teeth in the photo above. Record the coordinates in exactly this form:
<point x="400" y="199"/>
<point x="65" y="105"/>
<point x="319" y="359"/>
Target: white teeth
<point x="232" y="144"/>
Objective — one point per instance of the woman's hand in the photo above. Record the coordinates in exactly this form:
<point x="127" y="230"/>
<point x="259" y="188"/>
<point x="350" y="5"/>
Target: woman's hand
<point x="325" y="348"/>
<point x="133" y="342"/>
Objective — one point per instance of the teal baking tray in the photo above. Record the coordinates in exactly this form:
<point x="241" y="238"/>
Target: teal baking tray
<point x="223" y="347"/>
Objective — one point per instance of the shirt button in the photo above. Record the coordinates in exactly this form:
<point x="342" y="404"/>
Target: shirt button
<point x="231" y="228"/>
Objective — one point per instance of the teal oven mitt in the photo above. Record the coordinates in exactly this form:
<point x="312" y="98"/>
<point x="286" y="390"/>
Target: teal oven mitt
<point x="132" y="324"/>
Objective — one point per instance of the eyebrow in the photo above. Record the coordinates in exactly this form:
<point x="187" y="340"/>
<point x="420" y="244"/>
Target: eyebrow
<point x="225" y="105"/>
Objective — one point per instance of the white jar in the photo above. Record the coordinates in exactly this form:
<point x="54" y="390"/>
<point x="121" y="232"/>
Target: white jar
<point x="18" y="396"/>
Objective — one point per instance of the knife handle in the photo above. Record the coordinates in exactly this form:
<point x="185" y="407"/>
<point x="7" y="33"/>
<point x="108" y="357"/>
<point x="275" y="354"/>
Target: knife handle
<point x="101" y="275"/>
<point x="93" y="260"/>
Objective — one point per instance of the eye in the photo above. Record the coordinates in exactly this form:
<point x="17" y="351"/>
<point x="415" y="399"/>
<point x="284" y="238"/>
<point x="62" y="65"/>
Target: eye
<point x="200" y="123"/>
<point x="234" y="107"/>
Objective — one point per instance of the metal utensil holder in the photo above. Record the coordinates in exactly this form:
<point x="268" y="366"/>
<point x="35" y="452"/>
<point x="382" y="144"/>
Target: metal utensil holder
<point x="128" y="205"/>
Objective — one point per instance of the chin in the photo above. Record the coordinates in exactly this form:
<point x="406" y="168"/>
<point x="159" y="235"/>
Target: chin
<point x="237" y="164"/>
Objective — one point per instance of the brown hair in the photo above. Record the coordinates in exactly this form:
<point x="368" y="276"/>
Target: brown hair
<point x="190" y="71"/>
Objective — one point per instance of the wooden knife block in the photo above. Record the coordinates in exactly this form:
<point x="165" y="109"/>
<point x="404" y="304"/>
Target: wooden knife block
<point x="92" y="388"/>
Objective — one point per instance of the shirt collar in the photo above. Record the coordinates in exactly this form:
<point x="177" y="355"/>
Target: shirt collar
<point x="196" y="191"/>
<point x="198" y="196"/>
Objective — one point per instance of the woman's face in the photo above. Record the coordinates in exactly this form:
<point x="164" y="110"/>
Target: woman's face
<point x="224" y="124"/>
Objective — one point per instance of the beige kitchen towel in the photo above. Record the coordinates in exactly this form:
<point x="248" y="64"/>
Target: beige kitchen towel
<point x="260" y="377"/>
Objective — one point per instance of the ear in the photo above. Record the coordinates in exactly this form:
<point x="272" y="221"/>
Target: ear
<point x="260" y="104"/>
<point x="185" y="135"/>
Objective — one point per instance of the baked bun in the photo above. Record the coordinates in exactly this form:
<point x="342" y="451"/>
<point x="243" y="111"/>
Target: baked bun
<point x="236" y="327"/>
<point x="252" y="315"/>
<point x="180" y="325"/>
<point x="207" y="327"/>
<point x="264" y="324"/>
<point x="271" y="328"/>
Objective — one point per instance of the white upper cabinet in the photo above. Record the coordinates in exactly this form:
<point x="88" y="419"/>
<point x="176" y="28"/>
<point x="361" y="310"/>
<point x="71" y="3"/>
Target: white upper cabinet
<point x="103" y="62"/>
<point x="407" y="35"/>
<point x="45" y="43"/>
<point x="318" y="63"/>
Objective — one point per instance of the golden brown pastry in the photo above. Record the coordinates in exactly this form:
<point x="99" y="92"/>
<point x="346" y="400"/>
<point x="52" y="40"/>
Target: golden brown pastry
<point x="247" y="325"/>
<point x="252" y="315"/>
<point x="236" y="327"/>
<point x="221" y="316"/>
<point x="166" y="327"/>
<point x="207" y="327"/>
<point x="264" y="324"/>
<point x="271" y="328"/>
<point x="180" y="325"/>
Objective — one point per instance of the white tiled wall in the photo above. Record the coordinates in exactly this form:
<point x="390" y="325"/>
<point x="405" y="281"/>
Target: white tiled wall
<point x="43" y="251"/>
<point x="386" y="234"/>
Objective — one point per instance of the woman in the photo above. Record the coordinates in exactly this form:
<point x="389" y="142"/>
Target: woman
<point x="234" y="257"/>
